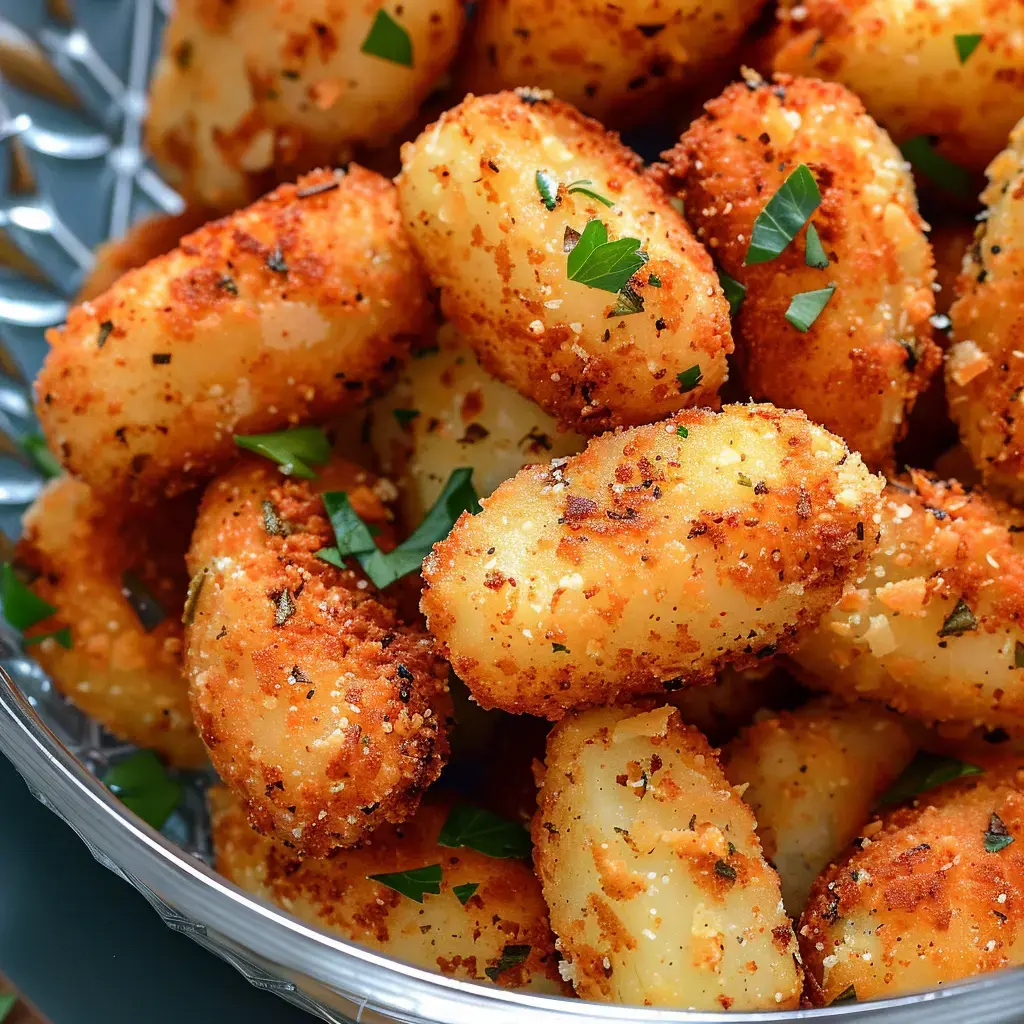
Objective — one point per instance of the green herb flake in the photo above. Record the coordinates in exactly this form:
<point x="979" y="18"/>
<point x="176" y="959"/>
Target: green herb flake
<point x="966" y="44"/>
<point x="511" y="956"/>
<point x="104" y="332"/>
<point x="744" y="480"/>
<point x="547" y="186"/>
<point x="997" y="835"/>
<point x="682" y="432"/>
<point x="388" y="40"/>
<point x="925" y="772"/>
<point x="559" y="649"/>
<point x="296" y="450"/>
<point x="464" y="893"/>
<point x="598" y="263"/>
<point x="147" y="608"/>
<point x="276" y="261"/>
<point x="34" y="446"/>
<point x="142" y="785"/>
<point x="814" y="252"/>
<point x="61" y="636"/>
<point x="581" y="187"/>
<point x="22" y="607"/>
<point x="284" y="607"/>
<point x="734" y="292"/>
<point x="724" y="870"/>
<point x="806" y="307"/>
<point x="960" y="620"/>
<point x="689" y="379"/>
<point x="1018" y="655"/>
<point x="227" y="284"/>
<point x="195" y="587"/>
<point x="629" y="302"/>
<point x="8" y="1000"/>
<point x="415" y="883"/>
<point x="272" y="521"/>
<point x="920" y="152"/>
<point x="848" y="995"/>
<point x="654" y="281"/>
<point x="486" y="832"/>
<point x="405" y="416"/>
<point x="783" y="216"/>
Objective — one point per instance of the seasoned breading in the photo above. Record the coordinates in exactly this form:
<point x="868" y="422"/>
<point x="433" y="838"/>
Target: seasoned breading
<point x="321" y="708"/>
<point x="290" y="311"/>
<point x="496" y="240"/>
<point x="658" y="890"/>
<point x="860" y="365"/>
<point x="92" y="558"/>
<point x="651" y="558"/>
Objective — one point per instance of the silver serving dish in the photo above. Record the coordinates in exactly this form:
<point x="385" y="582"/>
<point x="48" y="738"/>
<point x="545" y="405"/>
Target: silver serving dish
<point x="72" y="98"/>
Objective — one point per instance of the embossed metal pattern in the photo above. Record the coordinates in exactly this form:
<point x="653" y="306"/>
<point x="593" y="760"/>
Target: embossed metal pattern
<point x="72" y="101"/>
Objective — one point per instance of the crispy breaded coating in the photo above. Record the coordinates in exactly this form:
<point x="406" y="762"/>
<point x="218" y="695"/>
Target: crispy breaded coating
<point x="951" y="241"/>
<point x="249" y="93"/>
<point x="658" y="890"/>
<point x="320" y="707"/>
<point x="935" y="628"/>
<point x="901" y="57"/>
<point x="470" y="196"/>
<point x="812" y="778"/>
<point x="651" y="558"/>
<point x="622" y="63"/>
<point x="863" y="361"/>
<point x="442" y="934"/>
<point x="984" y="373"/>
<point x="447" y="411"/>
<point x="925" y="897"/>
<point x="290" y="311"/>
<point x="92" y="558"/>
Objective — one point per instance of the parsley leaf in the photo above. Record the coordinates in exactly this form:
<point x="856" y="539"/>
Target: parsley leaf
<point x="848" y="995"/>
<point x="814" y="252"/>
<point x="806" y="307"/>
<point x="62" y="636"/>
<point x="511" y="956"/>
<point x="559" y="649"/>
<point x="598" y="263"/>
<point x="22" y="607"/>
<point x="487" y="833"/>
<point x="689" y="379"/>
<point x="921" y="154"/>
<point x="8" y="1000"/>
<point x="415" y="883"/>
<point x="960" y="620"/>
<point x="296" y="450"/>
<point x="630" y="301"/>
<point x="581" y="186"/>
<point x="142" y="785"/>
<point x="654" y="281"/>
<point x="682" y="432"/>
<point x="783" y="216"/>
<point x="388" y="40"/>
<point x="547" y="186"/>
<point x="734" y="292"/>
<point x="966" y="44"/>
<point x="147" y="608"/>
<point x="465" y="892"/>
<point x="997" y="835"/>
<point x="34" y="446"/>
<point x="404" y="416"/>
<point x="925" y="772"/>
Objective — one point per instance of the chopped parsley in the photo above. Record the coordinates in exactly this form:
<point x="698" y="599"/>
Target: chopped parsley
<point x="920" y="152"/>
<point x="296" y="450"/>
<point x="997" y="835"/>
<point x="581" y="187"/>
<point x="966" y="43"/>
<point x="682" y="431"/>
<point x="104" y="332"/>
<point x="848" y="995"/>
<point x="284" y="607"/>
<point x="486" y="832"/>
<point x="547" y="186"/>
<point x="960" y="620"/>
<point x="272" y="521"/>
<point x="405" y="416"/>
<point x="559" y="649"/>
<point x="195" y="587"/>
<point x="806" y="307"/>
<point x="814" y="251"/>
<point x="388" y="40"/>
<point x="8" y="1000"/>
<point x="276" y="262"/>
<point x="744" y="480"/>
<point x="511" y="956"/>
<point x="415" y="883"/>
<point x="34" y="446"/>
<point x="783" y="216"/>
<point x="689" y="379"/>
<point x="142" y="785"/>
<point x="147" y="608"/>
<point x="925" y="772"/>
<point x="734" y="292"/>
<point x="464" y="893"/>
<point x="598" y="263"/>
<point x="630" y="301"/>
<point x="22" y="607"/>
<point x="227" y="284"/>
<point x="724" y="870"/>
<point x="654" y="281"/>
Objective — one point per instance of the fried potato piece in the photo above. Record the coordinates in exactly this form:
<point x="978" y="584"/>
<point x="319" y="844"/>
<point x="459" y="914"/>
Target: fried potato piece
<point x="619" y="62"/>
<point x="901" y="58"/>
<point x="145" y="240"/>
<point x="933" y="896"/>
<point x="248" y="94"/>
<point x="320" y="708"/>
<point x="812" y="777"/>
<point x="650" y="910"/>
<point x="984" y="373"/>
<point x="649" y="558"/>
<point x="290" y="311"/>
<point x="91" y="557"/>
<point x="442" y="934"/>
<point x="863" y="361"/>
<point x="936" y="626"/>
<point x="469" y="193"/>
<point x="447" y="411"/>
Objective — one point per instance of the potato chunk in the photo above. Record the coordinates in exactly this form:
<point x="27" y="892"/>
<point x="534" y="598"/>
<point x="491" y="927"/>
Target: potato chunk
<point x="901" y="57"/>
<point x="292" y="310"/>
<point x="249" y="94"/>
<point x="495" y="234"/>
<point x="100" y="563"/>
<point x="320" y="707"/>
<point x="936" y="626"/>
<point x="658" y="890"/>
<point x="859" y="365"/>
<point x="651" y="557"/>
<point x="984" y="373"/>
<point x="812" y="777"/>
<point x="932" y="897"/>
<point x="460" y="940"/>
